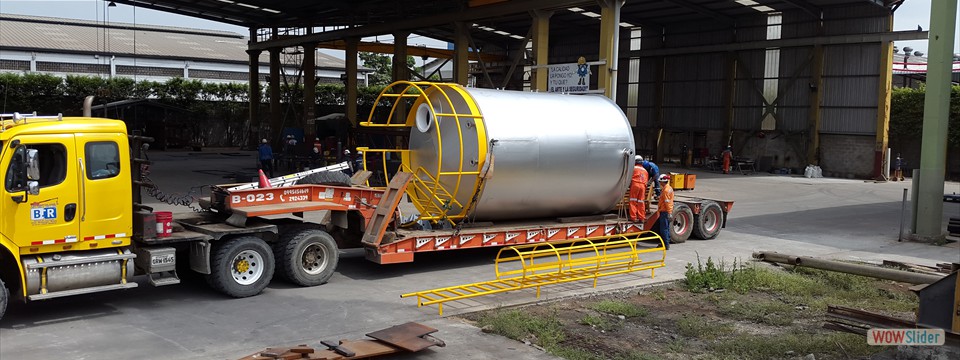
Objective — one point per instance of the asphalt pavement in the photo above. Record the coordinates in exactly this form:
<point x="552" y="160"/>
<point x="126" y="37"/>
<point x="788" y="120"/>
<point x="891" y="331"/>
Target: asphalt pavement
<point x="832" y="218"/>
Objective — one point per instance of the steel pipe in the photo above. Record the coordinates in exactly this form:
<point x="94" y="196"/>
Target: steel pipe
<point x="855" y="269"/>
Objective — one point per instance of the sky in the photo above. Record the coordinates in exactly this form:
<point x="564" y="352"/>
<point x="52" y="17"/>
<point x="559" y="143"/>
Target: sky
<point x="907" y="17"/>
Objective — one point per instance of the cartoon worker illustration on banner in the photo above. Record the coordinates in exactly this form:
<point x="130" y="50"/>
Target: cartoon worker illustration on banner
<point x="582" y="71"/>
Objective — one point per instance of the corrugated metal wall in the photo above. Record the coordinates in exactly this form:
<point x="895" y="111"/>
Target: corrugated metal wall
<point x="695" y="91"/>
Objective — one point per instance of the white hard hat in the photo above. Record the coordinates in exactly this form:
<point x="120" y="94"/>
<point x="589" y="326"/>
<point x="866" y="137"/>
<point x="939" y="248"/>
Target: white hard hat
<point x="263" y="141"/>
<point x="346" y="152"/>
<point x="638" y="158"/>
<point x="664" y="178"/>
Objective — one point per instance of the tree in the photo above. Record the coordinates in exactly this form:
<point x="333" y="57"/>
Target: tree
<point x="382" y="66"/>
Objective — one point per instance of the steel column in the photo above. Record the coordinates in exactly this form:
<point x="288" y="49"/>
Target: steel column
<point x="731" y="97"/>
<point x="461" y="49"/>
<point x="400" y="70"/>
<point x="351" y="83"/>
<point x="936" y="107"/>
<point x="609" y="46"/>
<point x="253" y="136"/>
<point x="661" y="67"/>
<point x="276" y="119"/>
<point x="541" y="49"/>
<point x="816" y="97"/>
<point x="309" y="92"/>
<point x="883" y="101"/>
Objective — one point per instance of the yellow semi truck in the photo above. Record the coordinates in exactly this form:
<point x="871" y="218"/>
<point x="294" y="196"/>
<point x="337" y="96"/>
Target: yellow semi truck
<point x="73" y="223"/>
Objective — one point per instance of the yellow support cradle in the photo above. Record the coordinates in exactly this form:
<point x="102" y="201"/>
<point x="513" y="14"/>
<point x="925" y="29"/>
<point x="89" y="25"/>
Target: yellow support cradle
<point x="557" y="262"/>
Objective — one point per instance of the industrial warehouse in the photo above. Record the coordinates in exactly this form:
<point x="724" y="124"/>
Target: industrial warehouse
<point x="555" y="179"/>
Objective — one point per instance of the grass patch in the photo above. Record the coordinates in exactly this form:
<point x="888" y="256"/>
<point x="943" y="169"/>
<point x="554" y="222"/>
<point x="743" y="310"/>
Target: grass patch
<point x="702" y="327"/>
<point x="617" y="307"/>
<point x="818" y="288"/>
<point x="799" y="286"/>
<point x="600" y="322"/>
<point x="776" y="345"/>
<point x="677" y="345"/>
<point x="769" y="312"/>
<point x="547" y="331"/>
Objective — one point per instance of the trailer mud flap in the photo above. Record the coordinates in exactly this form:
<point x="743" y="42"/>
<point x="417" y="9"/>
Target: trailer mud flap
<point x="200" y="257"/>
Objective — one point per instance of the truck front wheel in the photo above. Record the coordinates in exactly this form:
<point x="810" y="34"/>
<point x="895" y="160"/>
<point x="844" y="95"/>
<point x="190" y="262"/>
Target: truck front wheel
<point x="4" y="296"/>
<point x="309" y="258"/>
<point x="242" y="267"/>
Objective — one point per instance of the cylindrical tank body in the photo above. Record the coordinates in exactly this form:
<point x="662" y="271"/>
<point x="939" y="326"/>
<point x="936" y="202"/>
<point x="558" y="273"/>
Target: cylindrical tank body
<point x="549" y="155"/>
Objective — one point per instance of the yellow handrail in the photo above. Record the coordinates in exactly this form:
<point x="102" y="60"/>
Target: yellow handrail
<point x="566" y="261"/>
<point x="436" y="201"/>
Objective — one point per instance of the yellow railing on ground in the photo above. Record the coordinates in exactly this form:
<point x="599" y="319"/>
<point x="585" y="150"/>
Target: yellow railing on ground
<point x="557" y="262"/>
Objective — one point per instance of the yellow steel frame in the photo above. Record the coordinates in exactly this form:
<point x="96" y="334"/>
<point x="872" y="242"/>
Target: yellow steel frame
<point x="554" y="263"/>
<point x="431" y="198"/>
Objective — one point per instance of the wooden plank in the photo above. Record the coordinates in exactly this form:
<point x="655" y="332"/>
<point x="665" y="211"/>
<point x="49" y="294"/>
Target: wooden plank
<point x="406" y="336"/>
<point x="377" y="225"/>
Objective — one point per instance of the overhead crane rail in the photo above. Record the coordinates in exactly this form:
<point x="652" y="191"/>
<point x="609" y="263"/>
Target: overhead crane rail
<point x="557" y="262"/>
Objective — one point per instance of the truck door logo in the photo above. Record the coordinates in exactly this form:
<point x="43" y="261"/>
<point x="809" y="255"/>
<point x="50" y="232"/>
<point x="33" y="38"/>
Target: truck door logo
<point x="44" y="212"/>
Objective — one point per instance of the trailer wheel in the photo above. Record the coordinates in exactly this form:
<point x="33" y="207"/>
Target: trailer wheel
<point x="682" y="224"/>
<point x="241" y="267"/>
<point x="4" y="295"/>
<point x="708" y="223"/>
<point x="335" y="178"/>
<point x="310" y="258"/>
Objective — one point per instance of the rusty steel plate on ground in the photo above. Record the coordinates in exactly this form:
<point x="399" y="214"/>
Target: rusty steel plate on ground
<point x="406" y="336"/>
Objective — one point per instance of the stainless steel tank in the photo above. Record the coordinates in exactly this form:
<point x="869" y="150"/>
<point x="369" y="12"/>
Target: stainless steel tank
<point x="540" y="154"/>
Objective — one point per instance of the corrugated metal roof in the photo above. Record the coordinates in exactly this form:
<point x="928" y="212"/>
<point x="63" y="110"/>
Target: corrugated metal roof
<point x="42" y="34"/>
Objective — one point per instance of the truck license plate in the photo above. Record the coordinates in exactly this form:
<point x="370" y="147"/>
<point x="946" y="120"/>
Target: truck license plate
<point x="166" y="259"/>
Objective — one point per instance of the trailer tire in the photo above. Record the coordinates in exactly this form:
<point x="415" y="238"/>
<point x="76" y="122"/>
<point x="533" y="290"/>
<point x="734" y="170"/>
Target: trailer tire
<point x="682" y="224"/>
<point x="707" y="224"/>
<point x="310" y="258"/>
<point x="241" y="267"/>
<point x="335" y="178"/>
<point x="4" y="296"/>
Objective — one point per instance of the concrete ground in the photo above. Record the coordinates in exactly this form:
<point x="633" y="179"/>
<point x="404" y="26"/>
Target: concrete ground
<point x="832" y="218"/>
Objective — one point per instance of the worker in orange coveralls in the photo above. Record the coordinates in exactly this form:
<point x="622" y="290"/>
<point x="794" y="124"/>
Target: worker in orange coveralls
<point x="638" y="191"/>
<point x="727" y="154"/>
<point x="665" y="208"/>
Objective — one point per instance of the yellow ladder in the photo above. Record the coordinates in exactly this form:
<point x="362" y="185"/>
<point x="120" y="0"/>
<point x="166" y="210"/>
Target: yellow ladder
<point x="557" y="262"/>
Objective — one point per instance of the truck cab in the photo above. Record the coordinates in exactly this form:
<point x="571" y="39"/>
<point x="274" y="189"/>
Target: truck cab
<point x="65" y="209"/>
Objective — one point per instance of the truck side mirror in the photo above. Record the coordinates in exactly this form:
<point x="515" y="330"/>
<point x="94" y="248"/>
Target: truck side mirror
<point x="33" y="164"/>
<point x="33" y="187"/>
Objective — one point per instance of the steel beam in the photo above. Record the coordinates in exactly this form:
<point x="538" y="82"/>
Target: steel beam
<point x="351" y="53"/>
<point x="609" y="46"/>
<point x="476" y="13"/>
<point x="936" y="111"/>
<point x="541" y="47"/>
<point x="276" y="123"/>
<point x="805" y="6"/>
<point x="461" y="66"/>
<point x="704" y="11"/>
<point x="785" y="43"/>
<point x="816" y="97"/>
<point x="253" y="136"/>
<point x="309" y="92"/>
<point x="883" y="102"/>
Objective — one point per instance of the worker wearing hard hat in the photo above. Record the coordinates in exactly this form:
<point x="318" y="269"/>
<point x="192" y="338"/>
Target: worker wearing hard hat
<point x="665" y="210"/>
<point x="638" y="189"/>
<point x="654" y="172"/>
<point x="265" y="154"/>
